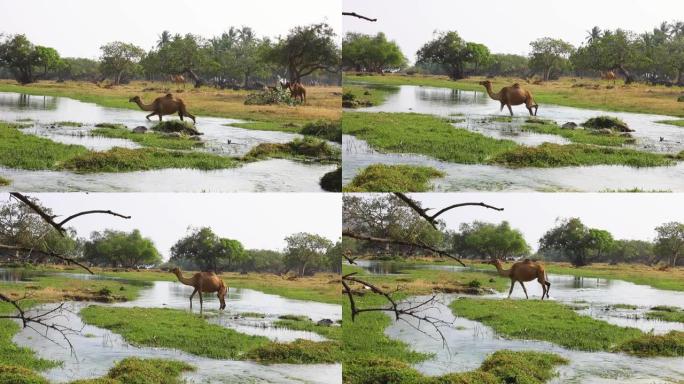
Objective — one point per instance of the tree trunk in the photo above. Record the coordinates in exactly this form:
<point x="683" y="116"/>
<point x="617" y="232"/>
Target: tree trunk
<point x="628" y="76"/>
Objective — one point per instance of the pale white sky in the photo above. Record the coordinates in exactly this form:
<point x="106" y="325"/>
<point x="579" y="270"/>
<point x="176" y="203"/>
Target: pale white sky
<point x="79" y="27"/>
<point x="505" y="26"/>
<point x="625" y="215"/>
<point x="258" y="220"/>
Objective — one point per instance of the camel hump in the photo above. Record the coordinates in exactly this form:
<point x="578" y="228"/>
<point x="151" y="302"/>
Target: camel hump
<point x="516" y="85"/>
<point x="527" y="261"/>
<point x="169" y="95"/>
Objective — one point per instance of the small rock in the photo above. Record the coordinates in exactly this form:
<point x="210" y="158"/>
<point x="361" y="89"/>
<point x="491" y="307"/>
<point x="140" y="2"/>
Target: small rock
<point x="140" y="129"/>
<point x="569" y="125"/>
<point x="325" y="322"/>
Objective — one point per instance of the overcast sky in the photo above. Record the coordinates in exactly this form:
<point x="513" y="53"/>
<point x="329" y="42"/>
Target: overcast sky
<point x="626" y="216"/>
<point x="77" y="28"/>
<point x="258" y="220"/>
<point x="505" y="26"/>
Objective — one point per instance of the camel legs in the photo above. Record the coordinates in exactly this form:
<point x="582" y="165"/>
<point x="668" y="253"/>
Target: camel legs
<point x="521" y="284"/>
<point x="201" y="303"/>
<point x="181" y="115"/>
<point x="548" y="288"/>
<point x="501" y="109"/>
<point x="160" y="116"/>
<point x="151" y="114"/>
<point x="222" y="298"/>
<point x="185" y="112"/>
<point x="510" y="109"/>
<point x="511" y="290"/>
<point x="191" y="296"/>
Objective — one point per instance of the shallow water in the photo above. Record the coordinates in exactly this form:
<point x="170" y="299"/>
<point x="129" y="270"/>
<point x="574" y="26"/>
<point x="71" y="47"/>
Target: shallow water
<point x="476" y="110"/>
<point x="469" y="342"/>
<point x="357" y="155"/>
<point x="219" y="138"/>
<point x="275" y="175"/>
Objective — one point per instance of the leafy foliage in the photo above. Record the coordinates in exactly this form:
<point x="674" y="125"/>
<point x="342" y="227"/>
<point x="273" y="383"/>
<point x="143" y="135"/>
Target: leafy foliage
<point x="204" y="249"/>
<point x="120" y="249"/>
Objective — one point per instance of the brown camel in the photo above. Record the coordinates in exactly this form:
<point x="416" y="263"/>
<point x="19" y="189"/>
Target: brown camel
<point x="204" y="282"/>
<point x="297" y="90"/>
<point x="608" y="75"/>
<point x="513" y="95"/>
<point x="165" y="105"/>
<point x="178" y="80"/>
<point x="523" y="271"/>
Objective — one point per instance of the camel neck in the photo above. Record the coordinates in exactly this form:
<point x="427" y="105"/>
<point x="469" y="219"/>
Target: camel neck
<point x="143" y="106"/>
<point x="502" y="272"/>
<point x="491" y="93"/>
<point x="182" y="279"/>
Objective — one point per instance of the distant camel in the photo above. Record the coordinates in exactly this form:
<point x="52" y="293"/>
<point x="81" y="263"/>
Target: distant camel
<point x="513" y="95"/>
<point x="178" y="79"/>
<point x="522" y="271"/>
<point x="297" y="90"/>
<point x="165" y="105"/>
<point x="608" y="75"/>
<point x="204" y="282"/>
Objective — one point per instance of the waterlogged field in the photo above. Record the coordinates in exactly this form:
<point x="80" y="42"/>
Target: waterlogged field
<point x="457" y="131"/>
<point x="53" y="143"/>
<point x="124" y="319"/>
<point x="594" y="329"/>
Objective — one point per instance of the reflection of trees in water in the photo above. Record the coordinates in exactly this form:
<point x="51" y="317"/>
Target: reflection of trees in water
<point x="28" y="102"/>
<point x="445" y="96"/>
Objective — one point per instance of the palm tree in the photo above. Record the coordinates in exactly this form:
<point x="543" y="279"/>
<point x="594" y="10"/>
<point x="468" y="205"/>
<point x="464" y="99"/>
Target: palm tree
<point x="164" y="39"/>
<point x="594" y="34"/>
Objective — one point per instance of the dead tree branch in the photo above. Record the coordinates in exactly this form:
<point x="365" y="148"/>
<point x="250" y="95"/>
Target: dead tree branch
<point x="31" y="251"/>
<point x="354" y="14"/>
<point x="433" y="219"/>
<point x="50" y="219"/>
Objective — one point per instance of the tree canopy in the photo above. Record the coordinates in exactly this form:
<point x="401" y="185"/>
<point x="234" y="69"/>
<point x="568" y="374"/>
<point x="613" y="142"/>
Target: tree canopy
<point x="120" y="249"/>
<point x="486" y="240"/>
<point x="206" y="250"/>
<point x="367" y="53"/>
<point x="306" y="253"/>
<point x="453" y="53"/>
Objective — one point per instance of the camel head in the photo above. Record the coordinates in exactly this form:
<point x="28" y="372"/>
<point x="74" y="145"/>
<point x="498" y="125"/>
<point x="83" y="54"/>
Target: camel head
<point x="175" y="271"/>
<point x="134" y="99"/>
<point x="486" y="83"/>
<point x="494" y="262"/>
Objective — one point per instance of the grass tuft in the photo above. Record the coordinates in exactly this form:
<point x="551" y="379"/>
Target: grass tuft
<point x="155" y="140"/>
<point x="303" y="149"/>
<point x="393" y="178"/>
<point x="328" y="130"/>
<point x="134" y="370"/>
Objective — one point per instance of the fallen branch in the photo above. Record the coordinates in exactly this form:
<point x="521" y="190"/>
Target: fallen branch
<point x="433" y="219"/>
<point x="31" y="251"/>
<point x="354" y="14"/>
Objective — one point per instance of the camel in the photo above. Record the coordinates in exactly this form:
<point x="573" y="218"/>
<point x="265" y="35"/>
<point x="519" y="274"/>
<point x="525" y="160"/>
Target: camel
<point x="609" y="75"/>
<point x="165" y="105"/>
<point x="297" y="90"/>
<point x="178" y="79"/>
<point x="204" y="282"/>
<point x="523" y="271"/>
<point x="513" y="95"/>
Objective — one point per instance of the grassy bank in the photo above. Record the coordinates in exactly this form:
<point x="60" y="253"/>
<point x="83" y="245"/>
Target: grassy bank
<point x="540" y="320"/>
<point x="578" y="136"/>
<point x="154" y="139"/>
<point x="133" y="370"/>
<point x="305" y="149"/>
<point x="14" y="360"/>
<point x="323" y="103"/>
<point x="679" y="123"/>
<point x="168" y="328"/>
<point x="570" y="92"/>
<point x="393" y="178"/>
<point x="666" y="314"/>
<point x="437" y="138"/>
<point x="358" y="96"/>
<point x="4" y="181"/>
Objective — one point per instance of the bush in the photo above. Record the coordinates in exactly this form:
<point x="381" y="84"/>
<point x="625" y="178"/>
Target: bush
<point x="272" y="96"/>
<point x="325" y="129"/>
<point x="612" y="123"/>
<point x="332" y="181"/>
<point x="171" y="126"/>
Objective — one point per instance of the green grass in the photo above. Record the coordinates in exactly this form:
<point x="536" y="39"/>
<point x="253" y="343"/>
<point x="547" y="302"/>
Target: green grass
<point x="307" y="148"/>
<point x="12" y="357"/>
<point x="133" y="370"/>
<point x="329" y="332"/>
<point x="393" y="178"/>
<point x="355" y="96"/>
<point x="423" y="134"/>
<point x="665" y="313"/>
<point x="168" y="328"/>
<point x="550" y="155"/>
<point x="624" y="306"/>
<point x="69" y="124"/>
<point x="679" y="123"/>
<point x="327" y="130"/>
<point x="4" y="181"/>
<point x="128" y="160"/>
<point x="18" y="150"/>
<point x="268" y="126"/>
<point x="637" y="274"/>
<point x="559" y="324"/>
<point x="153" y="139"/>
<point x="579" y="136"/>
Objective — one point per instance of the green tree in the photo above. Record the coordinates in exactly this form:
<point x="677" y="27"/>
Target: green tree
<point x="669" y="243"/>
<point x="453" y="53"/>
<point x="571" y="238"/>
<point x="334" y="257"/>
<point x="549" y="55"/>
<point x="486" y="240"/>
<point x="506" y="65"/>
<point x="206" y="250"/>
<point x="120" y="249"/>
<point x="305" y="50"/>
<point x="119" y="59"/>
<point x="371" y="53"/>
<point x="22" y="58"/>
<point x="305" y="252"/>
<point x="601" y="241"/>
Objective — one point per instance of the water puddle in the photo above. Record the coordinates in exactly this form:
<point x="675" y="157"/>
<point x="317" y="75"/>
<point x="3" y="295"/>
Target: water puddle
<point x="469" y="342"/>
<point x="475" y="111"/>
<point x="219" y="137"/>
<point x="97" y="349"/>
